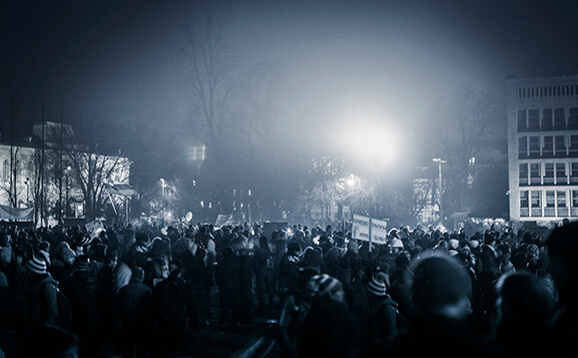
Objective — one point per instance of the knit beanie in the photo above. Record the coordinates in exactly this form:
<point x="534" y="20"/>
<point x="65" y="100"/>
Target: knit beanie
<point x="376" y="287"/>
<point x="326" y="284"/>
<point x="36" y="265"/>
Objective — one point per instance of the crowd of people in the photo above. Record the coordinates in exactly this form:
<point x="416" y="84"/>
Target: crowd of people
<point x="146" y="291"/>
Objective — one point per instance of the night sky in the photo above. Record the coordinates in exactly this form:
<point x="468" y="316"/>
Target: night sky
<point x="340" y="58"/>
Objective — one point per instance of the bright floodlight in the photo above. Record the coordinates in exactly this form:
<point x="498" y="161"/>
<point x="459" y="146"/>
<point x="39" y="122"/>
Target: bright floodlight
<point x="368" y="136"/>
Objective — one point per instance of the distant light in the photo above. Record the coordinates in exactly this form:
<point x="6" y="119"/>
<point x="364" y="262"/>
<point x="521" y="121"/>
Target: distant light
<point x="202" y="204"/>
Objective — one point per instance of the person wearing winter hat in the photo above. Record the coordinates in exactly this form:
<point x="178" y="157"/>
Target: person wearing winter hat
<point x="42" y="306"/>
<point x="82" y="290"/>
<point x="396" y="246"/>
<point x="380" y="316"/>
<point x="440" y="292"/>
<point x="329" y="330"/>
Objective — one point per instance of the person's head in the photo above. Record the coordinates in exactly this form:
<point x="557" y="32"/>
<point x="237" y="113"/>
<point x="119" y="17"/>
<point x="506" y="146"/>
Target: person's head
<point x="36" y="266"/>
<point x="138" y="275"/>
<point x="329" y="288"/>
<point x="440" y="286"/>
<point x="524" y="299"/>
<point x="111" y="261"/>
<point x="562" y="258"/>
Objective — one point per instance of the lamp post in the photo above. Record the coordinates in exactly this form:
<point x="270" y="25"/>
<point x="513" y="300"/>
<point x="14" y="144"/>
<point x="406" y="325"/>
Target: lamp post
<point x="163" y="185"/>
<point x="27" y="182"/>
<point x="67" y="203"/>
<point x="440" y="162"/>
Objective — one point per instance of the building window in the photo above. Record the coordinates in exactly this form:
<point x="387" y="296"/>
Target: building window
<point x="523" y="147"/>
<point x="547" y="119"/>
<point x="550" y="209"/>
<point x="524" y="204"/>
<point x="535" y="203"/>
<point x="534" y="120"/>
<point x="561" y="174"/>
<point x="548" y="147"/>
<point x="6" y="172"/>
<point x="535" y="174"/>
<point x="574" y="173"/>
<point x="534" y="147"/>
<point x="574" y="198"/>
<point x="561" y="199"/>
<point x="561" y="203"/>
<point x="524" y="174"/>
<point x="550" y="199"/>
<point x="522" y="124"/>
<point x="573" y="119"/>
<point x="573" y="150"/>
<point x="548" y="173"/>
<point x="559" y="119"/>
<point x="560" y="146"/>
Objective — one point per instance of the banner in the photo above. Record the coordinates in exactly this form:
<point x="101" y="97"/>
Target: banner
<point x="16" y="214"/>
<point x="360" y="229"/>
<point x="223" y="220"/>
<point x="378" y="232"/>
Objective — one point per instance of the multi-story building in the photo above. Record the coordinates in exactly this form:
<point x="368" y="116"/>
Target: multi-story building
<point x="543" y="149"/>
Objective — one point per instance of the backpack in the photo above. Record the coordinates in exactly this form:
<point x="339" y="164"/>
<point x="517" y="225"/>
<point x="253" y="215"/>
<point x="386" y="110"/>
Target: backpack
<point x="64" y="313"/>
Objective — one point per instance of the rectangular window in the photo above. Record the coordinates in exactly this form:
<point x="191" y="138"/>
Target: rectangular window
<point x="524" y="203"/>
<point x="536" y="204"/>
<point x="535" y="198"/>
<point x="548" y="173"/>
<point x="534" y="147"/>
<point x="559" y="146"/>
<point x="559" y="119"/>
<point x="561" y="205"/>
<point x="535" y="174"/>
<point x="550" y="208"/>
<point x="550" y="199"/>
<point x="524" y="174"/>
<point x="574" y="198"/>
<point x="573" y="150"/>
<point x="522" y="124"/>
<point x="548" y="147"/>
<point x="534" y="120"/>
<point x="561" y="199"/>
<point x="561" y="174"/>
<point x="574" y="173"/>
<point x="573" y="118"/>
<point x="547" y="119"/>
<point x="523" y="147"/>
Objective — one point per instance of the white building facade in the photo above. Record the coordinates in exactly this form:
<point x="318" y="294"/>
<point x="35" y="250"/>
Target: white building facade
<point x="543" y="149"/>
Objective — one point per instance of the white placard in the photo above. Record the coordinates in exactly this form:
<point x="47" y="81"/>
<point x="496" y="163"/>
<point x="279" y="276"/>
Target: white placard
<point x="360" y="229"/>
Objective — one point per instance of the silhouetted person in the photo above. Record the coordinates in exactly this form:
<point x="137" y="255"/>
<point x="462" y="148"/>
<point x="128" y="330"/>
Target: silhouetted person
<point x="562" y="248"/>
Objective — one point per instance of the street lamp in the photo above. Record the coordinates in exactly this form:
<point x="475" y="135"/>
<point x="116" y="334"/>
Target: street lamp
<point x="440" y="162"/>
<point x="163" y="185"/>
<point x="27" y="182"/>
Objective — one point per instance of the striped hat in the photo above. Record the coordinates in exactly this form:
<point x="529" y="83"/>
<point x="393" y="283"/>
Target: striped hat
<point x="36" y="265"/>
<point x="376" y="287"/>
<point x="326" y="284"/>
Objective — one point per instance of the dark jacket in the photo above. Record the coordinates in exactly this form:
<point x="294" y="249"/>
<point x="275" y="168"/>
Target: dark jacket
<point x="42" y="305"/>
<point x="328" y="331"/>
<point x="82" y="290"/>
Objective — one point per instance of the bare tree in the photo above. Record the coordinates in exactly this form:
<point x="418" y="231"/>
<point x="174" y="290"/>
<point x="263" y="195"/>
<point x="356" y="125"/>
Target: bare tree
<point x="209" y="64"/>
<point x="92" y="167"/>
<point x="462" y="125"/>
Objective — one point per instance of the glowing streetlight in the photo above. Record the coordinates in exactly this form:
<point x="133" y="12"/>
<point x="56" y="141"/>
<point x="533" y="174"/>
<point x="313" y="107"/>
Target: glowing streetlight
<point x="440" y="162"/>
